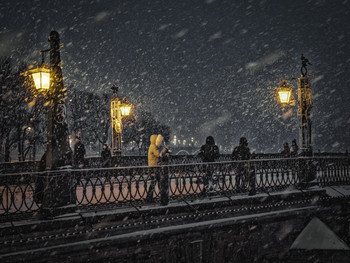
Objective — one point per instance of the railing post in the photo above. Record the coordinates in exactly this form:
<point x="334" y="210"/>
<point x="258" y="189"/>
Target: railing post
<point x="154" y="174"/>
<point x="252" y="178"/>
<point x="56" y="195"/>
<point x="164" y="185"/>
<point x="307" y="171"/>
<point x="347" y="168"/>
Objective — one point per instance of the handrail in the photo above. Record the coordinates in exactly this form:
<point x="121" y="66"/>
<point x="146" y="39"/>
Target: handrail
<point x="121" y="161"/>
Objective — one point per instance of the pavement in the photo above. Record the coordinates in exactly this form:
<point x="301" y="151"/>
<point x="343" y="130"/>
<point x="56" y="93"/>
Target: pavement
<point x="85" y="228"/>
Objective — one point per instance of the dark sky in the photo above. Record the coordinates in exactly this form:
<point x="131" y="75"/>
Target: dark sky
<point x="206" y="67"/>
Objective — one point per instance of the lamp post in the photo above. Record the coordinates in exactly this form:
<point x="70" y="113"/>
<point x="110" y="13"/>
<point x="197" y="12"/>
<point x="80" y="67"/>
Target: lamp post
<point x="48" y="79"/>
<point x="55" y="189"/>
<point x="284" y="94"/>
<point x="120" y="108"/>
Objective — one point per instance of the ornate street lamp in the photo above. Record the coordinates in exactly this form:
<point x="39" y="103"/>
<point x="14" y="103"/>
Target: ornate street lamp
<point x="284" y="96"/>
<point x="120" y="107"/>
<point x="48" y="80"/>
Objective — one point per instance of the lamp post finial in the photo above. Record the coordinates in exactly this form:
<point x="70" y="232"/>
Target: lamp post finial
<point x="115" y="89"/>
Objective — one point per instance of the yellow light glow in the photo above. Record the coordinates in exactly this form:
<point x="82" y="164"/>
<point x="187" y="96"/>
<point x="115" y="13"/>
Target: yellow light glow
<point x="125" y="109"/>
<point x="284" y="96"/>
<point x="41" y="77"/>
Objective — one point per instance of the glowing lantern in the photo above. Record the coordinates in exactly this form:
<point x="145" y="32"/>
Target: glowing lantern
<point x="41" y="77"/>
<point x="284" y="94"/>
<point x="125" y="109"/>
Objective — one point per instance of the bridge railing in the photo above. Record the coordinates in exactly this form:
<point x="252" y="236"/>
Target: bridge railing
<point x="123" y="161"/>
<point x="332" y="170"/>
<point x="25" y="193"/>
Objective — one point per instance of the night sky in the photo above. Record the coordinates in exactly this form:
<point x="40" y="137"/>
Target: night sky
<point x="206" y="67"/>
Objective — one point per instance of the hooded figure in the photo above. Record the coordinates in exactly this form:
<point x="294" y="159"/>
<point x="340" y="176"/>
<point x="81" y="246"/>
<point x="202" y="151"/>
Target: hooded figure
<point x="154" y="159"/>
<point x="209" y="151"/>
<point x="154" y="152"/>
<point x="242" y="151"/>
<point x="245" y="176"/>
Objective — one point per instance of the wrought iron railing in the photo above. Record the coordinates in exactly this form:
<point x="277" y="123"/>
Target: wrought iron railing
<point x="131" y="186"/>
<point x="332" y="171"/>
<point x="122" y="161"/>
<point x="17" y="193"/>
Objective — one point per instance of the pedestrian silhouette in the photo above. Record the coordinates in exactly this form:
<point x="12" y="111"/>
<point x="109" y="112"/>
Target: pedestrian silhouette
<point x="243" y="171"/>
<point x="106" y="155"/>
<point x="242" y="151"/>
<point x="295" y="148"/>
<point x="155" y="155"/>
<point x="208" y="152"/>
<point x="79" y="152"/>
<point x="286" y="150"/>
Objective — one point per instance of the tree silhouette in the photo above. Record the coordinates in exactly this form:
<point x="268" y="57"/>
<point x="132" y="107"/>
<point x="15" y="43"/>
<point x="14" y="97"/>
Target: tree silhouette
<point x="21" y="114"/>
<point x="139" y="129"/>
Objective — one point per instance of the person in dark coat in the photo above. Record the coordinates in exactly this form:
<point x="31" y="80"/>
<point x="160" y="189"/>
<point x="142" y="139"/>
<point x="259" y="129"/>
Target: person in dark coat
<point x="208" y="152"/>
<point x="165" y="159"/>
<point x="243" y="172"/>
<point x="286" y="150"/>
<point x="242" y="151"/>
<point x="295" y="148"/>
<point x="106" y="155"/>
<point x="79" y="152"/>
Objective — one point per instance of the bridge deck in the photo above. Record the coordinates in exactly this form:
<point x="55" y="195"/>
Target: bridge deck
<point x="75" y="233"/>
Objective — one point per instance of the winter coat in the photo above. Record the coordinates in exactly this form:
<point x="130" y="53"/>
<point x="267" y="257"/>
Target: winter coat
<point x="209" y="151"/>
<point x="241" y="153"/>
<point x="286" y="151"/>
<point x="154" y="153"/>
<point x="295" y="149"/>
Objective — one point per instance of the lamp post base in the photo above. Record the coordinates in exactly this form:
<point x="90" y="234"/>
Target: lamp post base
<point x="117" y="158"/>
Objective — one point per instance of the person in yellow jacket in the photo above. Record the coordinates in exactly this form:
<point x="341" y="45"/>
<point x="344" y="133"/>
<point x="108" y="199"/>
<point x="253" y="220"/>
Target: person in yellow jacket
<point x="154" y="152"/>
<point x="154" y="159"/>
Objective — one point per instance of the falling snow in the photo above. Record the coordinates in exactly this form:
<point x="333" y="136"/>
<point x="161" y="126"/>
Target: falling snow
<point x="202" y="68"/>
